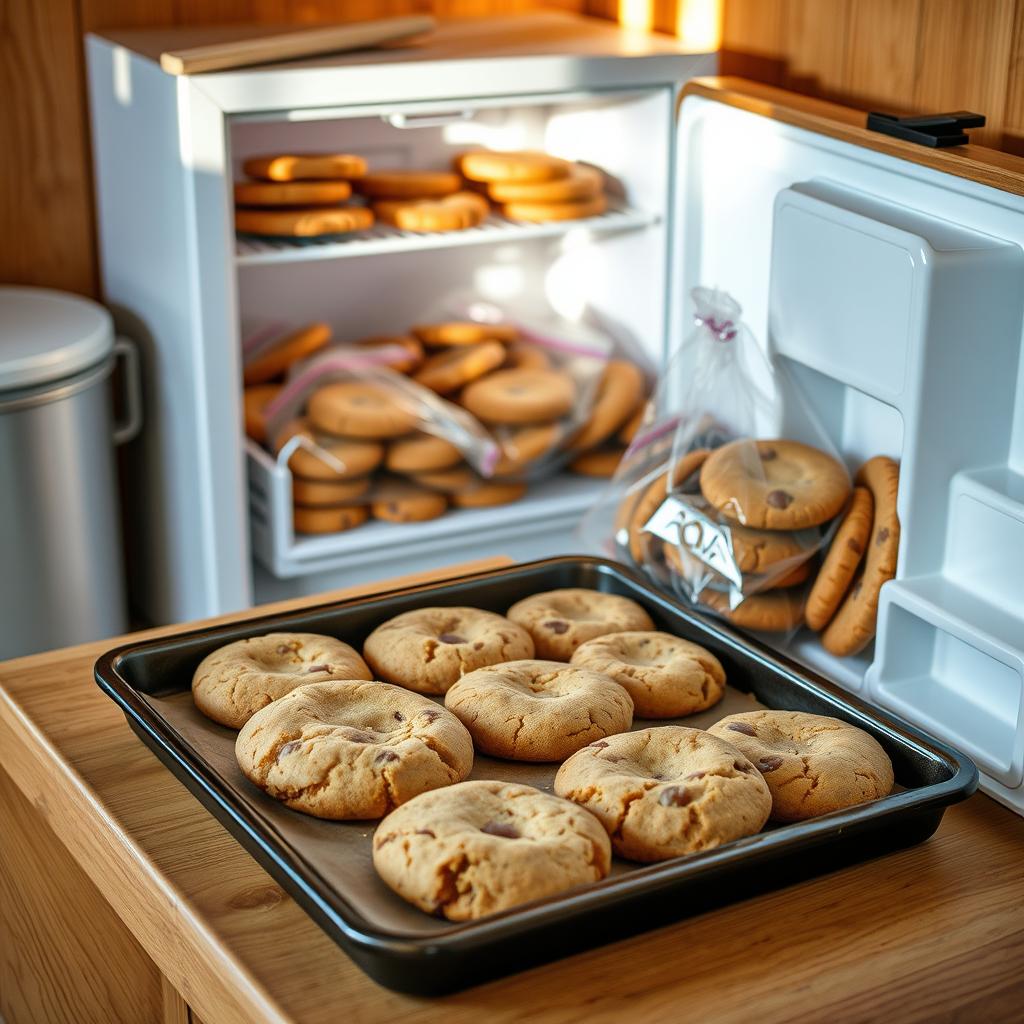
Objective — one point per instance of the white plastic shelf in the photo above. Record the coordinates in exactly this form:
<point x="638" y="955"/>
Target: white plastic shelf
<point x="551" y="508"/>
<point x="251" y="250"/>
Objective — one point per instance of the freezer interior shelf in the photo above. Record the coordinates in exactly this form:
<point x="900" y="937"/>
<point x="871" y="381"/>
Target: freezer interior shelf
<point x="250" y="249"/>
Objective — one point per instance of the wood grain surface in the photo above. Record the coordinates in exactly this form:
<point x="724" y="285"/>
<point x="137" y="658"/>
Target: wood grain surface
<point x="932" y="933"/>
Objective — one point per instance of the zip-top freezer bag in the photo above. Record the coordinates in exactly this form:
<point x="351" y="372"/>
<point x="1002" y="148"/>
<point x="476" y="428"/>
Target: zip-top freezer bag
<point x="565" y="387"/>
<point x="338" y="414"/>
<point x="709" y="500"/>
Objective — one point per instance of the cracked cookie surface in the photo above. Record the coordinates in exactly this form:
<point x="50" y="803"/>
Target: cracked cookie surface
<point x="666" y="676"/>
<point x="344" y="750"/>
<point x="428" y="649"/>
<point x="477" y="848"/>
<point x="235" y="681"/>
<point x="560" y="620"/>
<point x="538" y="710"/>
<point x="813" y="764"/>
<point x="667" y="791"/>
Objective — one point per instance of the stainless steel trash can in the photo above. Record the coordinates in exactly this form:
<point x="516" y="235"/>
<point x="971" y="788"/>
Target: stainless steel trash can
<point x="61" y="571"/>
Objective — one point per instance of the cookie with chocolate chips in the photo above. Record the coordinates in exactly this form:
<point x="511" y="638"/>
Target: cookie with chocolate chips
<point x="344" y="750"/>
<point x="774" y="485"/>
<point x="560" y="620"/>
<point x="233" y="682"/>
<point x="667" y="792"/>
<point x="478" y="848"/>
<point x="813" y="764"/>
<point x="428" y="649"/>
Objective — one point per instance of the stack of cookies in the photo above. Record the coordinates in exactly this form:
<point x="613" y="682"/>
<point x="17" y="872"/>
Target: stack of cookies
<point x="300" y="196"/>
<point x="535" y="186"/>
<point x="776" y="498"/>
<point x="427" y="201"/>
<point x="559" y="680"/>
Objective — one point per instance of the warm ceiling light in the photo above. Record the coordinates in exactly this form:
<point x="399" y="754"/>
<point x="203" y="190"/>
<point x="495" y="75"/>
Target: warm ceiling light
<point x="699" y="24"/>
<point x="636" y="14"/>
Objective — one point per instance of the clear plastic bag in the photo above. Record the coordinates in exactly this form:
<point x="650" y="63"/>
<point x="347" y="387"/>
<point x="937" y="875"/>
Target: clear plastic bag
<point x="584" y="349"/>
<point x="400" y="405"/>
<point x="710" y="501"/>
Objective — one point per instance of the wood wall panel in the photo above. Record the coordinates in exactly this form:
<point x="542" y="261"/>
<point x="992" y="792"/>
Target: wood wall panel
<point x="904" y="55"/>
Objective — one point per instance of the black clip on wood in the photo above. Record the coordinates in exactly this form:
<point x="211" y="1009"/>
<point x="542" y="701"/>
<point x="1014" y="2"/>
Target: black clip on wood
<point x="936" y="130"/>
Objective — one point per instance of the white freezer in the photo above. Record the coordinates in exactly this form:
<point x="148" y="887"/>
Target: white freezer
<point x="892" y="290"/>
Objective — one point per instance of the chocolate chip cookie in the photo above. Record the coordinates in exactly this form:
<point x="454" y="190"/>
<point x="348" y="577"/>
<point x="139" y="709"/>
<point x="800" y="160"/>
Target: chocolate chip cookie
<point x="538" y="710"/>
<point x="345" y="750"/>
<point x="234" y="682"/>
<point x="667" y="792"/>
<point x="666" y="676"/>
<point x="428" y="649"/>
<point x="560" y="620"/>
<point x="774" y="485"/>
<point x="481" y="847"/>
<point x="813" y="764"/>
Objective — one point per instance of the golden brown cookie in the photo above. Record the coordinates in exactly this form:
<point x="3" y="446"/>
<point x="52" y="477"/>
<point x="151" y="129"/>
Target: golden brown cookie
<point x="560" y="620"/>
<point x="600" y="463"/>
<point x="421" y="453"/>
<point x="305" y="166"/>
<point x="344" y="750"/>
<point x="291" y="193"/>
<point x="759" y="551"/>
<point x="463" y="332"/>
<point x="314" y="493"/>
<point x="666" y="676"/>
<point x="774" y="485"/>
<point x="428" y="649"/>
<point x="296" y="345"/>
<point x="516" y="397"/>
<point x="487" y="493"/>
<point x="478" y="848"/>
<point x="521" y="446"/>
<point x="853" y="626"/>
<point x="840" y="565"/>
<point x="813" y="764"/>
<point x="235" y="681"/>
<point x="653" y="495"/>
<point x="402" y="502"/>
<point x="620" y="389"/>
<point x="451" y="213"/>
<point x="777" y="611"/>
<point x="667" y="792"/>
<point x="539" y="213"/>
<point x="324" y="519"/>
<point x="690" y="567"/>
<point x="413" y="350"/>
<point x="346" y="458"/>
<point x="538" y="710"/>
<point x="449" y="370"/>
<point x="255" y="400"/>
<point x="408" y="184"/>
<point x="526" y="356"/>
<point x="303" y="221"/>
<point x="352" y="408"/>
<point x="631" y="427"/>
<point x="448" y="481"/>
<point x="582" y="182"/>
<point x="490" y="166"/>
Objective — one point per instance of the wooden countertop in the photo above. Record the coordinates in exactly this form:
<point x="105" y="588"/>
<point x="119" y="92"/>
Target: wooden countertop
<point x="930" y="933"/>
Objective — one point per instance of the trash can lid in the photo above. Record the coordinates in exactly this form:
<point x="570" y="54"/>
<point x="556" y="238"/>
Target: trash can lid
<point x="47" y="335"/>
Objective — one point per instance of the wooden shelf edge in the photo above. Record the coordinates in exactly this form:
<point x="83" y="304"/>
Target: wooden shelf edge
<point x="991" y="167"/>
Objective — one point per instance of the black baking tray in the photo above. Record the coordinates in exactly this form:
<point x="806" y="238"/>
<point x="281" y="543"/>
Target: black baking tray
<point x="428" y="956"/>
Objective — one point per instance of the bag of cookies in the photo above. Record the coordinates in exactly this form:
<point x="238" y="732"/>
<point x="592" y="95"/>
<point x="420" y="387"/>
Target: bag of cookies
<point x="563" y="389"/>
<point x="341" y="414"/>
<point x="731" y="486"/>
